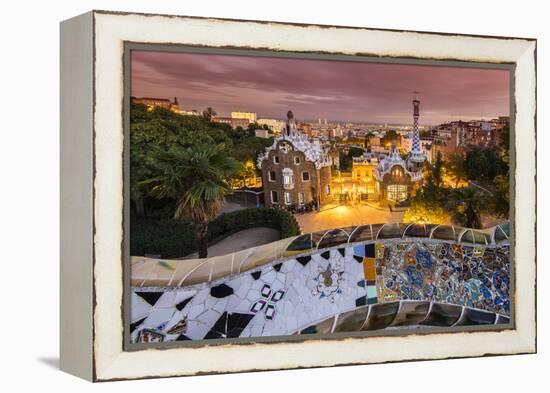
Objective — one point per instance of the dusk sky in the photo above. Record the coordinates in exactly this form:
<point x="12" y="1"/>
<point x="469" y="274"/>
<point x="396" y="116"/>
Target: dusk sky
<point x="312" y="89"/>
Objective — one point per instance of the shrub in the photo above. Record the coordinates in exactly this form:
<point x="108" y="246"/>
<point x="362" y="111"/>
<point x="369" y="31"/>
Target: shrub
<point x="165" y="237"/>
<point x="171" y="238"/>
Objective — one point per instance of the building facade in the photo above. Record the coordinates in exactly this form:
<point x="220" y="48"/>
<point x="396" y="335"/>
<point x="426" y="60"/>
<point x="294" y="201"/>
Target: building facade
<point x="250" y="116"/>
<point x="274" y="125"/>
<point x="232" y="121"/>
<point x="295" y="171"/>
<point x="152" y="103"/>
<point x="362" y="173"/>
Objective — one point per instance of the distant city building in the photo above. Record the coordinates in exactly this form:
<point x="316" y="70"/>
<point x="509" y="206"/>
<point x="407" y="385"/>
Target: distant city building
<point x="295" y="171"/>
<point x="449" y="138"/>
<point x="306" y="129"/>
<point x="362" y="173"/>
<point x="337" y="132"/>
<point x="458" y="136"/>
<point x="250" y="116"/>
<point x="374" y="141"/>
<point x="152" y="103"/>
<point x="233" y="122"/>
<point x="192" y="112"/>
<point x="273" y="124"/>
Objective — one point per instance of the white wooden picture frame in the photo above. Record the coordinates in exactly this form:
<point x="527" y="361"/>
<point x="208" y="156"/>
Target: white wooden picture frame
<point x="93" y="250"/>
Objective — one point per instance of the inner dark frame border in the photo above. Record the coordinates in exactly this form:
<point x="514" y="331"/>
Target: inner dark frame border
<point x="262" y="52"/>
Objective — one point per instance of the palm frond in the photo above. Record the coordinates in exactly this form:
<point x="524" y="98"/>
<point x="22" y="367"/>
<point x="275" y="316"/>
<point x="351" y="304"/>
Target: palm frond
<point x="196" y="177"/>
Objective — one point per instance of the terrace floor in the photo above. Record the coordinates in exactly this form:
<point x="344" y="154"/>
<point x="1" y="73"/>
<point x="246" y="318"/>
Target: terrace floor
<point x="345" y="216"/>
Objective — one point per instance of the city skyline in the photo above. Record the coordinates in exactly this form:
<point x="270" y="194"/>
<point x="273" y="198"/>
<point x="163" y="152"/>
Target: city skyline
<point x="341" y="91"/>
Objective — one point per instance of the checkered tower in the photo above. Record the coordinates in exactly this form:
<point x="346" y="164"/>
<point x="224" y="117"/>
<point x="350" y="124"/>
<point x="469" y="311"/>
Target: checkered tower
<point x="416" y="154"/>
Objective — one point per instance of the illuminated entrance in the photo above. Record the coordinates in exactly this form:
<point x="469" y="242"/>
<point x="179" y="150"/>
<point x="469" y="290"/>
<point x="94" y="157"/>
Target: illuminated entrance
<point x="397" y="192"/>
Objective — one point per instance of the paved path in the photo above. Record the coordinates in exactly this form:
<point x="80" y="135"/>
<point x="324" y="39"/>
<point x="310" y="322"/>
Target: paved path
<point x="229" y="207"/>
<point x="344" y="216"/>
<point x="240" y="241"/>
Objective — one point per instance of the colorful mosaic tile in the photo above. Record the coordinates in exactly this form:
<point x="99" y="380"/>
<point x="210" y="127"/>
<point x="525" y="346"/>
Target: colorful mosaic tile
<point x="437" y="283"/>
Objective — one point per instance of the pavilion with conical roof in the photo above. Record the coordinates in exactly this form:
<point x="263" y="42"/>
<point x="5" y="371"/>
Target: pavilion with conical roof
<point x="396" y="177"/>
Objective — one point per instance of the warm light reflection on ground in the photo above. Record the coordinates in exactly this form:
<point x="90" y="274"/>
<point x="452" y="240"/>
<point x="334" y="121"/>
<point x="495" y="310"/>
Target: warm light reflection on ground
<point x="343" y="216"/>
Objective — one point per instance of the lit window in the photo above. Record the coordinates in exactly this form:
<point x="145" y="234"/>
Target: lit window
<point x="297" y="160"/>
<point x="305" y="176"/>
<point x="272" y="176"/>
<point x="274" y="197"/>
<point x="301" y="198"/>
<point x="288" y="199"/>
<point x="288" y="178"/>
<point x="275" y="159"/>
<point x="397" y="192"/>
<point x="327" y="189"/>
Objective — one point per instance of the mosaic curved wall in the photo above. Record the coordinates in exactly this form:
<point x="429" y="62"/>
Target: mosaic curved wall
<point x="352" y="279"/>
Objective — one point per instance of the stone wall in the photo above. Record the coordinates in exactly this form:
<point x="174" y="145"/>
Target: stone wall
<point x="287" y="160"/>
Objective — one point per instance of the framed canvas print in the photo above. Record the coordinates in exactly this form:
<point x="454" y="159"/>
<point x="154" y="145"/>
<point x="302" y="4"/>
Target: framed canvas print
<point x="245" y="195"/>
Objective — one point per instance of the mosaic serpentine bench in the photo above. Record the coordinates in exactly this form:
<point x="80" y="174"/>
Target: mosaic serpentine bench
<point x="386" y="276"/>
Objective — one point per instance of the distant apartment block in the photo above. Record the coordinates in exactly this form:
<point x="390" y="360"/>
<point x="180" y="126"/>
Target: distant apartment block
<point x="273" y="124"/>
<point x="250" y="116"/>
<point x="233" y="122"/>
<point x="152" y="103"/>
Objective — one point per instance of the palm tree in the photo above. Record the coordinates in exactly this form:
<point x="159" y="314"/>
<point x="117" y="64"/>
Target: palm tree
<point x="197" y="179"/>
<point x="465" y="205"/>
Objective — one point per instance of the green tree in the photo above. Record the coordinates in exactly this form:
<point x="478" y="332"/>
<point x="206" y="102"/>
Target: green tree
<point x="428" y="205"/>
<point x="500" y="202"/>
<point x="197" y="179"/>
<point x="484" y="164"/>
<point x="209" y="113"/>
<point x="505" y="142"/>
<point x="161" y="129"/>
<point x="346" y="160"/>
<point x="423" y="212"/>
<point x="432" y="188"/>
<point x="466" y="205"/>
<point x="456" y="167"/>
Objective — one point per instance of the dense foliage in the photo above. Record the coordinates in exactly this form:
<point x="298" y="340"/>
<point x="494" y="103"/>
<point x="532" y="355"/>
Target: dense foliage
<point x="197" y="178"/>
<point x="346" y="159"/>
<point x="390" y="137"/>
<point x="173" y="239"/>
<point x="484" y="164"/>
<point x="182" y="167"/>
<point x="487" y="173"/>
<point x="163" y="129"/>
